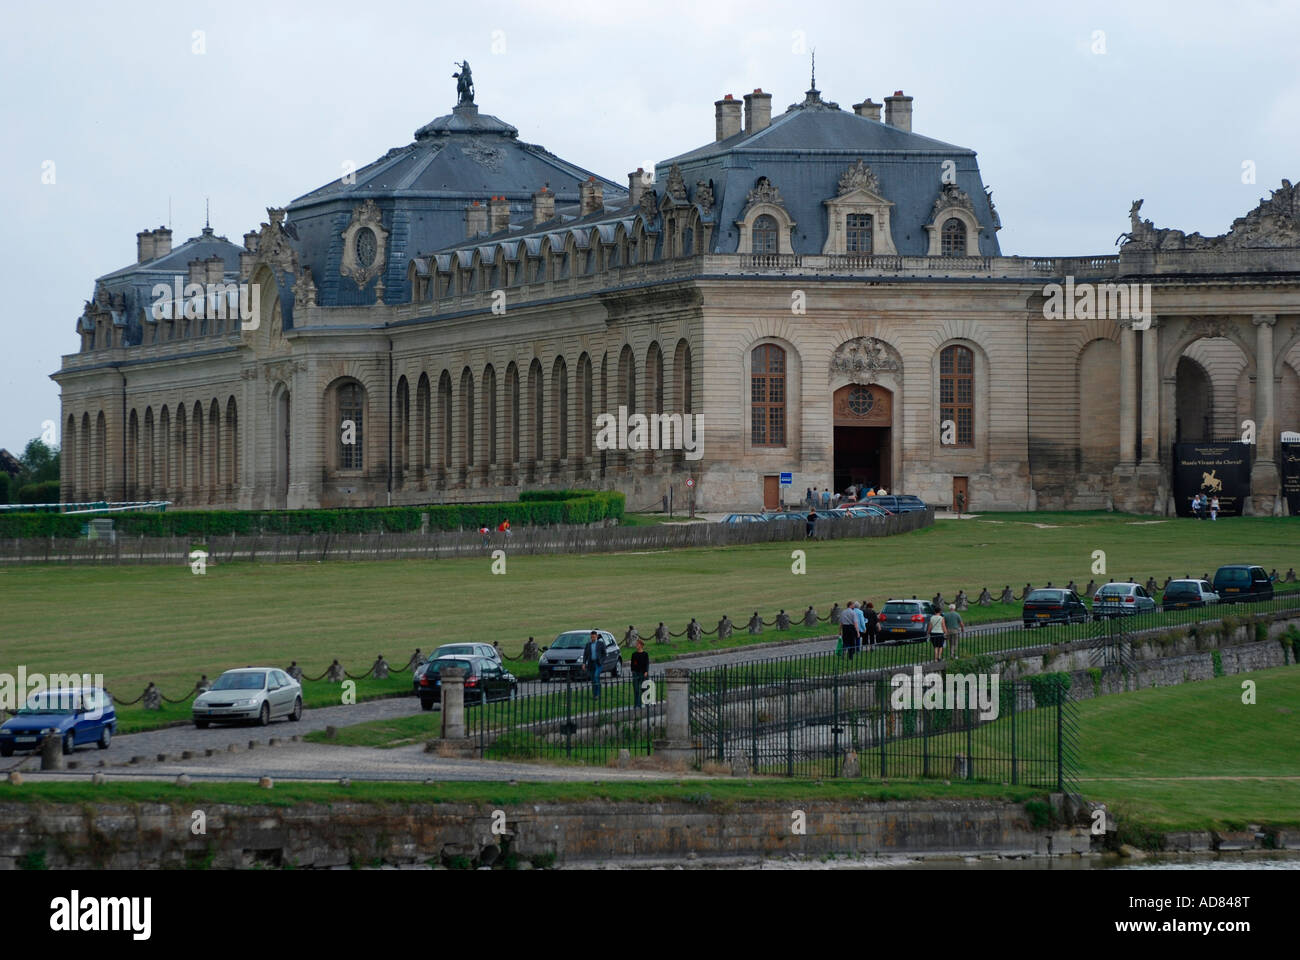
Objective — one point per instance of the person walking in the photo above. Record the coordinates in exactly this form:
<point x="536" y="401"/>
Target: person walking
<point x="807" y="497"/>
<point x="640" y="669"/>
<point x="812" y="523"/>
<point x="849" y="628"/>
<point x="861" y="625"/>
<point x="873" y="624"/>
<point x="1214" y="508"/>
<point x="955" y="627"/>
<point x="593" y="656"/>
<point x="937" y="634"/>
<point x="504" y="527"/>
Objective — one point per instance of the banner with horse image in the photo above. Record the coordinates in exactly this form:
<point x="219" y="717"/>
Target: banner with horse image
<point x="1214" y="470"/>
<point x="1291" y="477"/>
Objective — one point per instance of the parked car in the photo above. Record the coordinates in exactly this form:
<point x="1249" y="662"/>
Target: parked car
<point x="1121" y="600"/>
<point x="1242" y="583"/>
<point x="77" y="715"/>
<point x="905" y="619"/>
<point x="1053" y="605"/>
<point x="455" y="650"/>
<point x="250" y="693"/>
<point x="485" y="680"/>
<point x="744" y="518"/>
<point x="862" y="511"/>
<point x="901" y="503"/>
<point x="563" y="657"/>
<point x="1188" y="593"/>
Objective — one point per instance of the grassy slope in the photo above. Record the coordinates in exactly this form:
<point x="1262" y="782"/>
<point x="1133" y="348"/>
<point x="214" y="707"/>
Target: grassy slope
<point x="136" y="624"/>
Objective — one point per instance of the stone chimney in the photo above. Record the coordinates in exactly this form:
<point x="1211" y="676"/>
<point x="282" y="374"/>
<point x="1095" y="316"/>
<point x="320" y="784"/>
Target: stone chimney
<point x="162" y="242"/>
<point x="216" y="268"/>
<point x="867" y="109"/>
<point x="727" y="114"/>
<point x="544" y="205"/>
<point x="634" y="187"/>
<point x="898" y="111"/>
<point x="592" y="196"/>
<point x="499" y="213"/>
<point x="144" y="246"/>
<point x="476" y="219"/>
<point x="758" y="111"/>
<point x="197" y="272"/>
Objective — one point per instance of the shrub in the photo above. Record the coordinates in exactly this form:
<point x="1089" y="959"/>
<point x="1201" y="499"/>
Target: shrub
<point x="1049" y="689"/>
<point x="1217" y="657"/>
<point x="47" y="492"/>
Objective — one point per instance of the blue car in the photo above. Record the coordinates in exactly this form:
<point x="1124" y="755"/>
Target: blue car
<point x="76" y="715"/>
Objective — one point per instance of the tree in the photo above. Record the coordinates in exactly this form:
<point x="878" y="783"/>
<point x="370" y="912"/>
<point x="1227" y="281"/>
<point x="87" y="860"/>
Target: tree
<point x="40" y="463"/>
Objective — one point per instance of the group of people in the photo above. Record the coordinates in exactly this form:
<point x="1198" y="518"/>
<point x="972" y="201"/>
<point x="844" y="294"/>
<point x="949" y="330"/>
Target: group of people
<point x="1202" y="505"/>
<point x="860" y="623"/>
<point x="485" y="531"/>
<point x="593" y="657"/>
<point x="828" y="499"/>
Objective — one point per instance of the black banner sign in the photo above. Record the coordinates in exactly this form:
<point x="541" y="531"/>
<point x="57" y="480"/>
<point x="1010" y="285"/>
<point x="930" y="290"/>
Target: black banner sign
<point x="1214" y="470"/>
<point x="1291" y="477"/>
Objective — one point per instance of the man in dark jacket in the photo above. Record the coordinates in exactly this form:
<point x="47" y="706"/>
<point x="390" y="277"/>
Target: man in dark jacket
<point x="593" y="657"/>
<point x="640" y="670"/>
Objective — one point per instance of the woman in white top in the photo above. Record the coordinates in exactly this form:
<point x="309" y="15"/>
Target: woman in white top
<point x="937" y="634"/>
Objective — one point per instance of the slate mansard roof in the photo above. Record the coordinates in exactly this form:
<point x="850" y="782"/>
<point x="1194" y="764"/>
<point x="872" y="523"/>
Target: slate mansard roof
<point x="803" y="153"/>
<point x="422" y="190"/>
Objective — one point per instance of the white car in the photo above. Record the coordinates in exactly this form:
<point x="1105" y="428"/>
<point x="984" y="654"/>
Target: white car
<point x="1189" y="593"/>
<point x="252" y="693"/>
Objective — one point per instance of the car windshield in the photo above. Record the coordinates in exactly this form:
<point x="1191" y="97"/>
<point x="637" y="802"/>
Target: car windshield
<point x="454" y="650"/>
<point x="571" y="641"/>
<point x="240" y="681"/>
<point x="1041" y="595"/>
<point x="1233" y="576"/>
<point x="52" y="702"/>
<point x="894" y="606"/>
<point x="461" y="664"/>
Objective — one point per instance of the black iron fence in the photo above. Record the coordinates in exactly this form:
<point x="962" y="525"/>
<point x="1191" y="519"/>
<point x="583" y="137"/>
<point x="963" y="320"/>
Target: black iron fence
<point x="902" y="727"/>
<point x="565" y="720"/>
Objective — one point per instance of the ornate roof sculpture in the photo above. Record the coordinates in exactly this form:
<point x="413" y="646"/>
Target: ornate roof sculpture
<point x="1275" y="222"/>
<point x="950" y="195"/>
<point x="863" y="358"/>
<point x="859" y="176"/>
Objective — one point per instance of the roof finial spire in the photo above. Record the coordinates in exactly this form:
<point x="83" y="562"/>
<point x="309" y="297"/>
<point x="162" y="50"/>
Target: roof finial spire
<point x="812" y="84"/>
<point x="207" y="213"/>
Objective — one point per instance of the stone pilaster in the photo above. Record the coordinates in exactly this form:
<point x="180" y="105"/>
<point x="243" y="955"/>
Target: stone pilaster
<point x="1265" y="484"/>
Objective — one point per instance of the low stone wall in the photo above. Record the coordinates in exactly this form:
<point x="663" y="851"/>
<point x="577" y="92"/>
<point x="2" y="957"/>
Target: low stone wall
<point x="157" y="836"/>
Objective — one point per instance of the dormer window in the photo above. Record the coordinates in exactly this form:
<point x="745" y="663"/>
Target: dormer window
<point x="765" y="234"/>
<point x="857" y="233"/>
<point x="953" y="240"/>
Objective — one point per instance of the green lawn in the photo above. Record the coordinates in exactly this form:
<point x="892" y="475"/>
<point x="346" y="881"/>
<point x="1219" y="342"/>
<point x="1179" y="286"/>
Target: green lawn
<point x="140" y="623"/>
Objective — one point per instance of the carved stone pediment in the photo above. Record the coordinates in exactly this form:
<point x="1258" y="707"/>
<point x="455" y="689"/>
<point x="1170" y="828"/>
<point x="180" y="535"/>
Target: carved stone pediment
<point x="365" y="243"/>
<point x="649" y="203"/>
<point x="859" y="177"/>
<point x="272" y="245"/>
<point x="950" y="196"/>
<point x="676" y="185"/>
<point x="764" y="192"/>
<point x="1275" y="222"/>
<point x="704" y="195"/>
<point x="864" y="358"/>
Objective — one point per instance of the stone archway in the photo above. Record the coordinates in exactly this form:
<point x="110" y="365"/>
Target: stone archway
<point x="863" y="417"/>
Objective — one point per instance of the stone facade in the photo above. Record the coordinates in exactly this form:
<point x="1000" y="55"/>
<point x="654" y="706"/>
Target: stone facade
<point x="471" y="364"/>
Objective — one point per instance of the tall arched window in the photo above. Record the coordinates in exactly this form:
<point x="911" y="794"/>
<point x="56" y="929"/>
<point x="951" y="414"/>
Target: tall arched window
<point x="767" y="396"/>
<point x="352" y="403"/>
<point x="952" y="240"/>
<point x="764" y="240"/>
<point x="957" y="392"/>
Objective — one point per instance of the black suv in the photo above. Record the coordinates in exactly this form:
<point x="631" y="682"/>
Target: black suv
<point x="1242" y="583"/>
<point x="1053" y="605"/>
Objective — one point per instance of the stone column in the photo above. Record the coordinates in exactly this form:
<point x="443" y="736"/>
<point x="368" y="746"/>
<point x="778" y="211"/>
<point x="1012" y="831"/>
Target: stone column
<point x="1264" y="482"/>
<point x="676" y="748"/>
<point x="1128" y="387"/>
<point x="453" y="703"/>
<point x="1151" y="451"/>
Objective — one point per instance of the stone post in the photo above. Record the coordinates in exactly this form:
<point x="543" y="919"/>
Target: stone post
<point x="453" y="703"/>
<point x="676" y="749"/>
<point x="52" y="752"/>
<point x="1264" y="481"/>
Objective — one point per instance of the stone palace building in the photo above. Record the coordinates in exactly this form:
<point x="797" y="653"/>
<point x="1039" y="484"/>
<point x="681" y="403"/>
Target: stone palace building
<point x="823" y="290"/>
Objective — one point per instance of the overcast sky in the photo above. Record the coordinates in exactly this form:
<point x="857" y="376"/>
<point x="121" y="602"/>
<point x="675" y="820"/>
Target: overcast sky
<point x="136" y="122"/>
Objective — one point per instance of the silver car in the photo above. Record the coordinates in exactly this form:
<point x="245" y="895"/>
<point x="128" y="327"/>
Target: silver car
<point x="253" y="693"/>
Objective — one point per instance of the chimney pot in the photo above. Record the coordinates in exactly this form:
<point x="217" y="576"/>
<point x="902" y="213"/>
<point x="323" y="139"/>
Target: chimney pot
<point x="758" y="111"/>
<point x="476" y="219"/>
<point x="591" y="196"/>
<point x="898" y="111"/>
<point x="726" y="113"/>
<point x="499" y="214"/>
<point x="543" y="205"/>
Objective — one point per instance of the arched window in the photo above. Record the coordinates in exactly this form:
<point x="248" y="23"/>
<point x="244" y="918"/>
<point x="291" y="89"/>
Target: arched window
<point x="952" y="242"/>
<point x="957" y="392"/>
<point x="767" y="396"/>
<point x="352" y="403"/>
<point x="764" y="240"/>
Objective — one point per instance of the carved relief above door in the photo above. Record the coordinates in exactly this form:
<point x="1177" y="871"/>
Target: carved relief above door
<point x="860" y="405"/>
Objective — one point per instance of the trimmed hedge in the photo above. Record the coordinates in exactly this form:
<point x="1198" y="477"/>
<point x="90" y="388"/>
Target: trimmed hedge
<point x="580" y="506"/>
<point x="46" y="492"/>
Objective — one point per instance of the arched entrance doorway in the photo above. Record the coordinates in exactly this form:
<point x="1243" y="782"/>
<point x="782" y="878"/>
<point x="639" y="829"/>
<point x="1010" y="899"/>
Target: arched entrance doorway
<point x="863" y="417"/>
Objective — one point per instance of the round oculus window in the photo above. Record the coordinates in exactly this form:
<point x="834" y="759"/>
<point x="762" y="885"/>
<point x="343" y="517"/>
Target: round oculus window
<point x="366" y="247"/>
<point x="861" y="401"/>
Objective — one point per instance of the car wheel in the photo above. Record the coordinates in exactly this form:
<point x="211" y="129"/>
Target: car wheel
<point x="426" y="704"/>
<point x="297" y="710"/>
<point x="264" y="717"/>
<point x="543" y="678"/>
<point x="105" y="738"/>
<point x="7" y="750"/>
<point x="202" y="724"/>
<point x="69" y="742"/>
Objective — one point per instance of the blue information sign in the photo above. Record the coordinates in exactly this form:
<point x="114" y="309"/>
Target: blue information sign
<point x="787" y="479"/>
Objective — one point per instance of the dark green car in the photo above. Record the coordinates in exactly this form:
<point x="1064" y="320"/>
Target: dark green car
<point x="1242" y="583"/>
